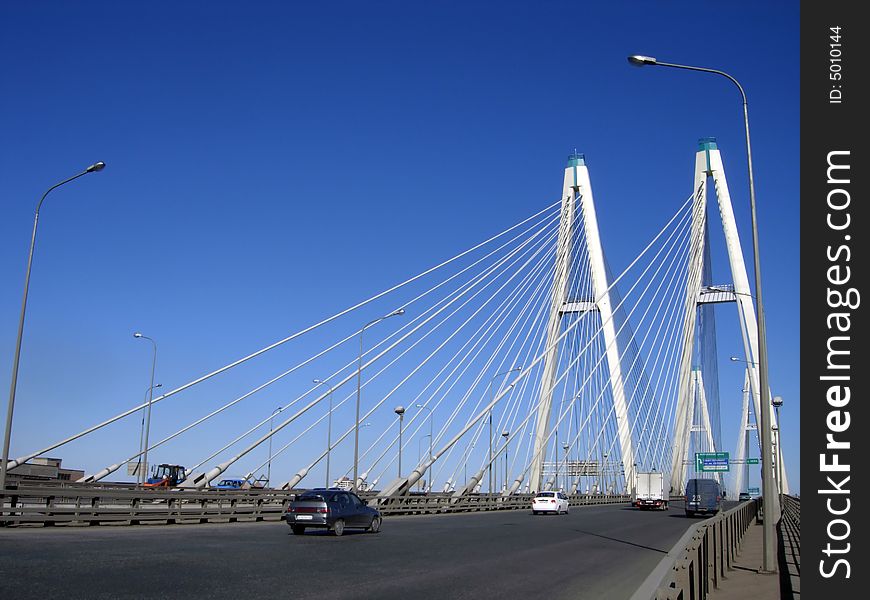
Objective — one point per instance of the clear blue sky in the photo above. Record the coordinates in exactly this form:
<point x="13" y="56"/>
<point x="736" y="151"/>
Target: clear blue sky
<point x="272" y="163"/>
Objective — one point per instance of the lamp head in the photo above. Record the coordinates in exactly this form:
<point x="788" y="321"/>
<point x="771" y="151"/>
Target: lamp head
<point x="399" y="410"/>
<point x="137" y="335"/>
<point x="316" y="381"/>
<point x="97" y="166"/>
<point x="777" y="401"/>
<point x="734" y="359"/>
<point x="640" y="60"/>
<point x="401" y="311"/>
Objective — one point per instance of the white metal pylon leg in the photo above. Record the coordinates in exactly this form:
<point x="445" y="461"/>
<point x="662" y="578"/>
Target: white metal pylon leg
<point x="685" y="404"/>
<point x="705" y="427"/>
<point x="577" y="186"/>
<point x="708" y="164"/>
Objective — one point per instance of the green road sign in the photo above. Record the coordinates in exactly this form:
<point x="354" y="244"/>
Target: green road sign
<point x="751" y="461"/>
<point x="711" y="461"/>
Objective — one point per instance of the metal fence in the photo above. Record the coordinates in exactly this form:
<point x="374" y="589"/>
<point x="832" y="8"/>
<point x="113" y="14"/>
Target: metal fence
<point x="73" y="504"/>
<point x="790" y="546"/>
<point x="700" y="560"/>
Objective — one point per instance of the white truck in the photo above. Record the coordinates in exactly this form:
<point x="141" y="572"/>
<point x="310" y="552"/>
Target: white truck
<point x="651" y="490"/>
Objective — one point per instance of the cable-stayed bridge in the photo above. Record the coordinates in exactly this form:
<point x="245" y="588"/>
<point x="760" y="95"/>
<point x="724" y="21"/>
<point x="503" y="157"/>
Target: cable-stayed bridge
<point x="522" y="363"/>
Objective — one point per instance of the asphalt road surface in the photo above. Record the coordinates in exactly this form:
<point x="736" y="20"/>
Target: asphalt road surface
<point x="595" y="552"/>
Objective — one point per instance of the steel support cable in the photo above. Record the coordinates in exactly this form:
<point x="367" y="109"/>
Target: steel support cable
<point x="318" y="355"/>
<point x="466" y="361"/>
<point x="458" y="294"/>
<point x="688" y="329"/>
<point x="539" y="358"/>
<point x="640" y="277"/>
<point x="643" y="292"/>
<point x="634" y="307"/>
<point x="664" y="343"/>
<point x="580" y="270"/>
<point x="463" y="290"/>
<point x="485" y="367"/>
<point x="490" y="324"/>
<point x="355" y="334"/>
<point x="13" y="463"/>
<point x="541" y="295"/>
<point x="478" y="310"/>
<point x="674" y="380"/>
<point x="544" y="445"/>
<point x="665" y="426"/>
<point x="222" y="467"/>
<point x="575" y="267"/>
<point x="622" y="326"/>
<point x="295" y="439"/>
<point x="571" y="266"/>
<point x="640" y="349"/>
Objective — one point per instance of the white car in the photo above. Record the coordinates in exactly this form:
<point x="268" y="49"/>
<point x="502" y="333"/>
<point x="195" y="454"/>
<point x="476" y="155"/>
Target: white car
<point x="552" y="502"/>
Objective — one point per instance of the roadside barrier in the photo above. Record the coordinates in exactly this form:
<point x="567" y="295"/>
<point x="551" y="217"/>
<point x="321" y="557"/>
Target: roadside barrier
<point x="699" y="562"/>
<point x="85" y="504"/>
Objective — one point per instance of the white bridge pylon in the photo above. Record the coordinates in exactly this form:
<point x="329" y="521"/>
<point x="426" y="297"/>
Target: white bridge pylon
<point x="578" y="188"/>
<point x="708" y="164"/>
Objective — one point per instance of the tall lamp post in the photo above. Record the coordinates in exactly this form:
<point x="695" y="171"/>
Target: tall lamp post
<point x="328" y="429"/>
<point x="420" y="406"/>
<point x="401" y="311"/>
<point x="420" y="458"/>
<point x="400" y="410"/>
<point x="142" y="430"/>
<point x="269" y="467"/>
<point x="565" y="447"/>
<point x="769" y="503"/>
<point x="505" y="435"/>
<point x="491" y="398"/>
<point x="777" y="402"/>
<point x="142" y="476"/>
<point x="7" y="437"/>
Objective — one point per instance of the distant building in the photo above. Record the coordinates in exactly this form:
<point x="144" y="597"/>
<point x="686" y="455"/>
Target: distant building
<point x="43" y="469"/>
<point x="343" y="484"/>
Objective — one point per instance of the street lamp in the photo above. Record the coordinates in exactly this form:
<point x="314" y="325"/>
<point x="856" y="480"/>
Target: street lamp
<point x="430" y="427"/>
<point x="142" y="478"/>
<point x="400" y="311"/>
<point x="777" y="402"/>
<point x="400" y="410"/>
<point x="491" y="399"/>
<point x="328" y="430"/>
<point x="7" y="437"/>
<point x="142" y="430"/>
<point x="769" y="559"/>
<point x="419" y="459"/>
<point x="735" y="359"/>
<point x="269" y="467"/>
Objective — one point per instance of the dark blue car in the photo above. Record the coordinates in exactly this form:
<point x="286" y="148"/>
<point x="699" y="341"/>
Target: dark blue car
<point x="231" y="483"/>
<point x="703" y="496"/>
<point x="332" y="509"/>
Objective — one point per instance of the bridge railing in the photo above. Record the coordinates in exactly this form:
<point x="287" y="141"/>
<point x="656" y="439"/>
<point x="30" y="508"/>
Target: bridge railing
<point x="445" y="503"/>
<point x="83" y="504"/>
<point x="700" y="560"/>
<point x="789" y="529"/>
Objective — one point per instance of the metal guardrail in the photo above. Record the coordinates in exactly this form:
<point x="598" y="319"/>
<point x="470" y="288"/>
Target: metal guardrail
<point x="700" y="560"/>
<point x="83" y="504"/>
<point x="790" y="545"/>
